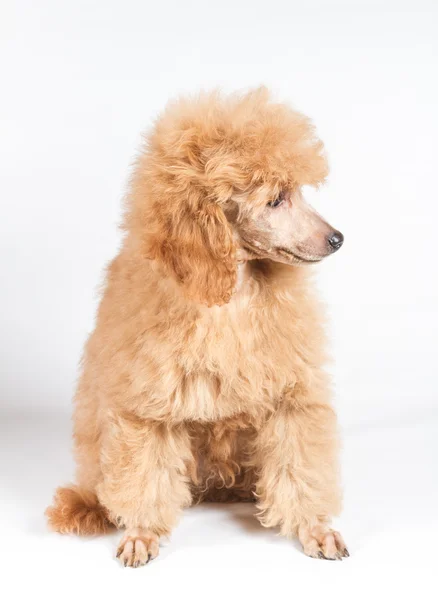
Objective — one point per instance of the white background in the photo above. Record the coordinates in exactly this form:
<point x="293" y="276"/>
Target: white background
<point x="79" y="82"/>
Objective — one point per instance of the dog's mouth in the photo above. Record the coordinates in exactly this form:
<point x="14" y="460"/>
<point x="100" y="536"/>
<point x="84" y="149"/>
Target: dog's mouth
<point x="291" y="257"/>
<point x="297" y="258"/>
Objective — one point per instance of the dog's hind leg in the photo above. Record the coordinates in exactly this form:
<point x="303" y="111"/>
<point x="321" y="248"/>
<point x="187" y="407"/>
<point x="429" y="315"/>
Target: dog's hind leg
<point x="146" y="469"/>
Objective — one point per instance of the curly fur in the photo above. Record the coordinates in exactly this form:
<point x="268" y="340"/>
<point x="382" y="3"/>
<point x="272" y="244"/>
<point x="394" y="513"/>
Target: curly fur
<point x="77" y="510"/>
<point x="196" y="385"/>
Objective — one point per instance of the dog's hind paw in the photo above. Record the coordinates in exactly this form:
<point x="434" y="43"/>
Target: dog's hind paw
<point x="137" y="547"/>
<point x="322" y="542"/>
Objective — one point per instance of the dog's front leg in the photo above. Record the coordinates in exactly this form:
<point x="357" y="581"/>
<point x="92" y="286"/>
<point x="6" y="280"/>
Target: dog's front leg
<point x="298" y="487"/>
<point x="145" y="467"/>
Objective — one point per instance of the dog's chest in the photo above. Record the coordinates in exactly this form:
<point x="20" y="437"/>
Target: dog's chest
<point x="238" y="359"/>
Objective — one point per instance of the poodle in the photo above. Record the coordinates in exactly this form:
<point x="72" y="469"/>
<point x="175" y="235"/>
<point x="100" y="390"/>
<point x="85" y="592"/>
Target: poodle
<point x="204" y="377"/>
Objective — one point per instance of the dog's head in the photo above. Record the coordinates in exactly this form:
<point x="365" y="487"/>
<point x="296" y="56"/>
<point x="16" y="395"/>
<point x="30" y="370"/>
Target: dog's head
<point x="220" y="179"/>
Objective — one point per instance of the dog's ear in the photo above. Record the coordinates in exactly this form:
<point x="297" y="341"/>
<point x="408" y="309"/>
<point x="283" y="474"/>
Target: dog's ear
<point x="193" y="241"/>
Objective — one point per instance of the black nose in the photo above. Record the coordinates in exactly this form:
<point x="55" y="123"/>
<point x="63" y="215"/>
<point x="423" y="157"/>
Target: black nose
<point x="336" y="240"/>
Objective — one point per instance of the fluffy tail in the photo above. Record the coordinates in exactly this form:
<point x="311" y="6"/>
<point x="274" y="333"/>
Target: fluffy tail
<point x="76" y="510"/>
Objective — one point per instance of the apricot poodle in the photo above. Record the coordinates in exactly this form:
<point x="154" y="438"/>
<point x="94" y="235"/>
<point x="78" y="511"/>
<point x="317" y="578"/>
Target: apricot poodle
<point x="204" y="377"/>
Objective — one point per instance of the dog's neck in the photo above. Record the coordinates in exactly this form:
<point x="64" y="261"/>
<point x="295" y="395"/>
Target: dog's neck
<point x="243" y="275"/>
<point x="249" y="267"/>
<point x="244" y="269"/>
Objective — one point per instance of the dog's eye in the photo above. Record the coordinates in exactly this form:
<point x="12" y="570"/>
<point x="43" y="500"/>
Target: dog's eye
<point x="279" y="200"/>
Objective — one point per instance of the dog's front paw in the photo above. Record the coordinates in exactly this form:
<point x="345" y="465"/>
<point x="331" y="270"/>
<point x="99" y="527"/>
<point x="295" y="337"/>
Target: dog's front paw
<point x="322" y="542"/>
<point x="137" y="547"/>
